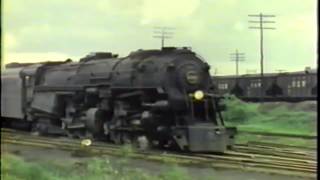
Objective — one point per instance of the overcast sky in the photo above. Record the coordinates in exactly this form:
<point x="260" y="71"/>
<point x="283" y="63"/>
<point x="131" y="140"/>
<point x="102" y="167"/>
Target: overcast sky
<point x="40" y="30"/>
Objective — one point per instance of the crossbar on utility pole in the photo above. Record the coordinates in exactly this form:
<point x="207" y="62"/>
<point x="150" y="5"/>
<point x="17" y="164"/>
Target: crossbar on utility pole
<point x="163" y="33"/>
<point x="261" y="22"/>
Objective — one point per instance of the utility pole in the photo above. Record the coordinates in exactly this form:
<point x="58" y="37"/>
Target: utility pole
<point x="261" y="27"/>
<point x="163" y="33"/>
<point x="237" y="57"/>
<point x="215" y="71"/>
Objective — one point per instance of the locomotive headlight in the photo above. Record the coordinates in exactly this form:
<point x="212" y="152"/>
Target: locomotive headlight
<point x="198" y="95"/>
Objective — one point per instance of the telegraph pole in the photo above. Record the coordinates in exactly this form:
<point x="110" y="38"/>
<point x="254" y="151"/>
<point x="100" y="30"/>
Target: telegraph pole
<point x="237" y="57"/>
<point x="215" y="71"/>
<point x="163" y="33"/>
<point x="261" y="22"/>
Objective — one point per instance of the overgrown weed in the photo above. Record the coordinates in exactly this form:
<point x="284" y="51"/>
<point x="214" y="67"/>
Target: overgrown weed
<point x="15" y="168"/>
<point x="269" y="117"/>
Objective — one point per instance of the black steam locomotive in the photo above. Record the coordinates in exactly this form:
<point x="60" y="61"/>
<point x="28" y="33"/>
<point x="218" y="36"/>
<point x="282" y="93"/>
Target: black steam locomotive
<point x="159" y="97"/>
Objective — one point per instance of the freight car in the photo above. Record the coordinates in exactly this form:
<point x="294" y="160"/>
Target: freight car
<point x="289" y="86"/>
<point x="156" y="97"/>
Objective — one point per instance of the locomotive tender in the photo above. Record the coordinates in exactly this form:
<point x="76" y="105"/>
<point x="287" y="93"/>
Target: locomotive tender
<point x="162" y="97"/>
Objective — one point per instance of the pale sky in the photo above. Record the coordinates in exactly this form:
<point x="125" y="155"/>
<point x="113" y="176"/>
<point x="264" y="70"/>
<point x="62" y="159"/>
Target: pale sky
<point x="41" y="30"/>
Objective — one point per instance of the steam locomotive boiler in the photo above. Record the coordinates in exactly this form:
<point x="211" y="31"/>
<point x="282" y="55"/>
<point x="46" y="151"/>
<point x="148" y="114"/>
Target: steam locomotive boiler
<point x="159" y="97"/>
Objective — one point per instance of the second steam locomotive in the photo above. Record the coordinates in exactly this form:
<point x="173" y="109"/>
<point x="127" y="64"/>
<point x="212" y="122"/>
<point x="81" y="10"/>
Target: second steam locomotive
<point x="162" y="97"/>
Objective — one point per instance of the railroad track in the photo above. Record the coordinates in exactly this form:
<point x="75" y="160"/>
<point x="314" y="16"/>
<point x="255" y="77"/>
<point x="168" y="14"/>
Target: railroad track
<point x="282" y="146"/>
<point x="268" y="158"/>
<point x="303" y="136"/>
<point x="276" y="151"/>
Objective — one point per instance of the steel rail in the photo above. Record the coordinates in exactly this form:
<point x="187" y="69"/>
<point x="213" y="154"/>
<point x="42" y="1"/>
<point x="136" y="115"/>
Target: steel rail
<point x="303" y="136"/>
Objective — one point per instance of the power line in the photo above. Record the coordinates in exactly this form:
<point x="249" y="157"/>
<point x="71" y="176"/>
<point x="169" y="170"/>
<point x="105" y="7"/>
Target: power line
<point x="261" y="22"/>
<point x="163" y="33"/>
<point x="237" y="57"/>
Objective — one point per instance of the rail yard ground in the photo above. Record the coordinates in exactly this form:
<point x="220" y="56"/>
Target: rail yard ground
<point x="293" y="123"/>
<point x="286" y="119"/>
<point x="24" y="162"/>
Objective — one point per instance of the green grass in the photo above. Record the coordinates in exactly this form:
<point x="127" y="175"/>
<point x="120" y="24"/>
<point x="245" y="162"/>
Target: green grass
<point x="15" y="168"/>
<point x="271" y="117"/>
